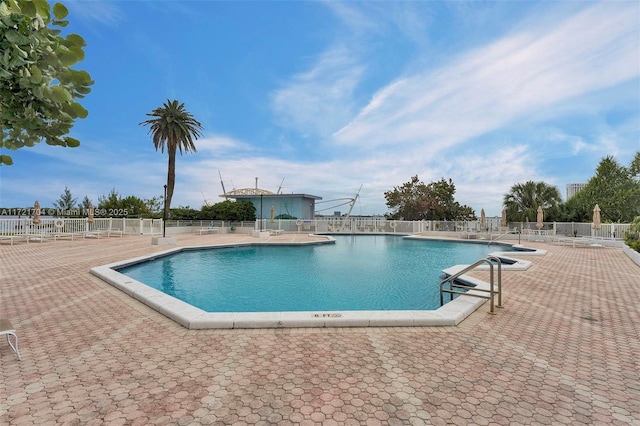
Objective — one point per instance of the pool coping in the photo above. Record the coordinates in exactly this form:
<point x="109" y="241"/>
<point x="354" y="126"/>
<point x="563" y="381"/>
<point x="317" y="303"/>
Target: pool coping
<point x="451" y="314"/>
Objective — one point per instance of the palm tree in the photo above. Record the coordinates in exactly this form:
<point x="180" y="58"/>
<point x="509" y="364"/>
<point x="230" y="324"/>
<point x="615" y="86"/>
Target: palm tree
<point x="523" y="200"/>
<point x="176" y="128"/>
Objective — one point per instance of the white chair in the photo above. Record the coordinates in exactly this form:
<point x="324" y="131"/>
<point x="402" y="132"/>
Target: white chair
<point x="7" y="329"/>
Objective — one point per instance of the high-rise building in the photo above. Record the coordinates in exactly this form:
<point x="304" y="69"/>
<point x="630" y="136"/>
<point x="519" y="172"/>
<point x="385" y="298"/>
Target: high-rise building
<point x="574" y="188"/>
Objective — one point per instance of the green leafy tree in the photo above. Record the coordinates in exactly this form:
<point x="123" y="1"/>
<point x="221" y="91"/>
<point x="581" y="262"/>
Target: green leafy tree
<point x="154" y="205"/>
<point x="86" y="203"/>
<point x="135" y="207"/>
<point x="185" y="213"/>
<point x="634" y="168"/>
<point x="113" y="204"/>
<point x="443" y="203"/>
<point x="613" y="188"/>
<point x="415" y="200"/>
<point x="233" y="211"/>
<point x="66" y="202"/>
<point x="523" y="200"/>
<point x="173" y="128"/>
<point x="633" y="236"/>
<point x="111" y="200"/>
<point x="465" y="213"/>
<point x="38" y="87"/>
<point x="410" y="201"/>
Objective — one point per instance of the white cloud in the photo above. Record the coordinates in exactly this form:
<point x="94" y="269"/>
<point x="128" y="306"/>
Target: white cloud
<point x="482" y="179"/>
<point x="513" y="78"/>
<point x="356" y="19"/>
<point x="105" y="12"/>
<point x="575" y="143"/>
<point x="318" y="101"/>
<point x="221" y="145"/>
<point x="370" y="19"/>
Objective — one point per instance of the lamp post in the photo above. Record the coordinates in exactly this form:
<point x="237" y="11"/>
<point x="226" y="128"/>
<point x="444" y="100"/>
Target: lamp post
<point x="260" y="212"/>
<point x="164" y="213"/>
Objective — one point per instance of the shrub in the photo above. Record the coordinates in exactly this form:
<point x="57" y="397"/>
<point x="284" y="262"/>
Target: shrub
<point x="633" y="236"/>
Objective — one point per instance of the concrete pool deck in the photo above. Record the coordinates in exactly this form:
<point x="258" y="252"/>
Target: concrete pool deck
<point x="564" y="350"/>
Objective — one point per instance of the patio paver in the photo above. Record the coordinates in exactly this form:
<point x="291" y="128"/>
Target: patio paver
<point x="564" y="350"/>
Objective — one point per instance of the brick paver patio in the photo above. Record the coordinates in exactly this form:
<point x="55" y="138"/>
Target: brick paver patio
<point x="564" y="350"/>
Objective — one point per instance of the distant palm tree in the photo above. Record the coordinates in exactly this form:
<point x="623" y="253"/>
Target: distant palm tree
<point x="176" y="128"/>
<point x="523" y="200"/>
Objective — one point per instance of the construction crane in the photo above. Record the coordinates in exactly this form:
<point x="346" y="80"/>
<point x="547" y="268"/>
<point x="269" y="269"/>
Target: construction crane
<point x="206" y="203"/>
<point x="224" y="192"/>
<point x="347" y="200"/>
<point x="344" y="222"/>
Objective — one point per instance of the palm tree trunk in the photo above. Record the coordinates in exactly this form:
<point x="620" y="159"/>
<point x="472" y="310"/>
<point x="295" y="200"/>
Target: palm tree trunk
<point x="171" y="178"/>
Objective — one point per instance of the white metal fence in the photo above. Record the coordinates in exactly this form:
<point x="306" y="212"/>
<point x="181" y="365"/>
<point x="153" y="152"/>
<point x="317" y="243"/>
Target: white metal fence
<point x="373" y="225"/>
<point x="567" y="229"/>
<point x="351" y="225"/>
<point x="53" y="225"/>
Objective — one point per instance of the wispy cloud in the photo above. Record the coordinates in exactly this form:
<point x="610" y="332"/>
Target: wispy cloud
<point x="482" y="179"/>
<point x="365" y="21"/>
<point x="356" y="20"/>
<point x="104" y="12"/>
<point x="513" y="78"/>
<point x="219" y="146"/>
<point x="320" y="100"/>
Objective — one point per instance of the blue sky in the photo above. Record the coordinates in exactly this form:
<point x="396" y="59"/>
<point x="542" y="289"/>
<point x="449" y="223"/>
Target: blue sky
<point x="326" y="97"/>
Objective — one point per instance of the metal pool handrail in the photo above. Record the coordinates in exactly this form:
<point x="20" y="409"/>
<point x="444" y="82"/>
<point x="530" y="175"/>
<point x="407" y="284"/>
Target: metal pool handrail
<point x="471" y="289"/>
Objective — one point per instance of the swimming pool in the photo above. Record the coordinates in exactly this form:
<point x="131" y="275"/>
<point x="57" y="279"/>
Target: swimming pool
<point x="251" y="268"/>
<point x="368" y="272"/>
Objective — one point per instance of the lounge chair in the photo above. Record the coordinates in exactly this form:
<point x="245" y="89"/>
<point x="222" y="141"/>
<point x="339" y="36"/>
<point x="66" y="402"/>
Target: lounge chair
<point x="116" y="232"/>
<point x="7" y="329"/>
<point x="14" y="237"/>
<point x="208" y="230"/>
<point x="96" y="233"/>
<point x="38" y="236"/>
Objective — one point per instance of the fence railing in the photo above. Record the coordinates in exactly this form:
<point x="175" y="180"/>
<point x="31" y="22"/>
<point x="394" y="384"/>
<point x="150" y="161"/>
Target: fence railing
<point x="351" y="225"/>
<point x="53" y="225"/>
<point x="373" y="225"/>
<point x="568" y="229"/>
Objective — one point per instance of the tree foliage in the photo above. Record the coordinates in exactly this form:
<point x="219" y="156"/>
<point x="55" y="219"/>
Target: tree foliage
<point x="174" y="128"/>
<point x="233" y="211"/>
<point x="66" y="201"/>
<point x="415" y="200"/>
<point x="614" y="188"/>
<point x="38" y="87"/>
<point x="632" y="238"/>
<point x="634" y="167"/>
<point x="184" y="213"/>
<point x="154" y="205"/>
<point x="523" y="200"/>
<point x="86" y="203"/>
<point x="114" y="204"/>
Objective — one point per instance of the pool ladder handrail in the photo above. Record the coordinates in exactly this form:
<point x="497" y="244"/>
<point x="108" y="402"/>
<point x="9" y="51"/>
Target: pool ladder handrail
<point x="492" y="285"/>
<point x="491" y="240"/>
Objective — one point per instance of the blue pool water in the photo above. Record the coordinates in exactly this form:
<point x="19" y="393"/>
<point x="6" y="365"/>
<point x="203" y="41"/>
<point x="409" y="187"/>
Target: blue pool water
<point x="356" y="273"/>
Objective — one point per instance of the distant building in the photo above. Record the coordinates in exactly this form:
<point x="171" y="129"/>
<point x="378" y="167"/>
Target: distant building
<point x="299" y="206"/>
<point x="574" y="188"/>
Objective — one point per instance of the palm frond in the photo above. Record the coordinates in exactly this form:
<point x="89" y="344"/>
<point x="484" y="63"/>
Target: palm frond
<point x="173" y="127"/>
